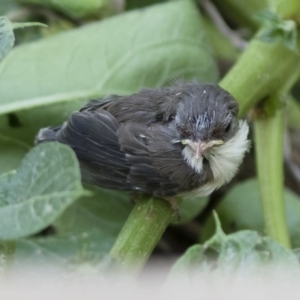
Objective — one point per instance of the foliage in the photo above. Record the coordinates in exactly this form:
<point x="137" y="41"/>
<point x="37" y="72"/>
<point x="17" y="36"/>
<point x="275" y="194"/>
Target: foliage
<point x="48" y="217"/>
<point x="243" y="252"/>
<point x="246" y="196"/>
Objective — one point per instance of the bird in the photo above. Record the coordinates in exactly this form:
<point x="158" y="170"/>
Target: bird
<point x="178" y="140"/>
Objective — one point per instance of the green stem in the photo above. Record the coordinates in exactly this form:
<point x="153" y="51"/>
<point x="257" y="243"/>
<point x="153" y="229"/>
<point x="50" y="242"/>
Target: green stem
<point x="262" y="70"/>
<point x="269" y="161"/>
<point x="141" y="233"/>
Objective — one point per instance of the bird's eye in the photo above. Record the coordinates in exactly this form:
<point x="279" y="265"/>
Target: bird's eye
<point x="182" y="130"/>
<point x="227" y="129"/>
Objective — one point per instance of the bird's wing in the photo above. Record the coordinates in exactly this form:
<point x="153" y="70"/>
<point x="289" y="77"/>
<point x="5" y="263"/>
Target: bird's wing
<point x="128" y="156"/>
<point x="156" y="164"/>
<point x="92" y="136"/>
<point x="146" y="106"/>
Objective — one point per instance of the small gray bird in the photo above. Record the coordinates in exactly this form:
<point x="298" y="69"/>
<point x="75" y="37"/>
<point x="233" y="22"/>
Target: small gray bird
<point x="162" y="142"/>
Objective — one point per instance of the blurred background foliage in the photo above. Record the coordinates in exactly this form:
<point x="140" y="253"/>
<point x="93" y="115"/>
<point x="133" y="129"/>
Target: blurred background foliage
<point x="98" y="47"/>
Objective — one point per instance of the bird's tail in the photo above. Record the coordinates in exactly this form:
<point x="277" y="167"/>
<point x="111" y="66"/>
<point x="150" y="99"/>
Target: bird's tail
<point x="48" y="134"/>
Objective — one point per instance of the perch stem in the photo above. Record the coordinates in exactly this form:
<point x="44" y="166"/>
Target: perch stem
<point x="141" y="233"/>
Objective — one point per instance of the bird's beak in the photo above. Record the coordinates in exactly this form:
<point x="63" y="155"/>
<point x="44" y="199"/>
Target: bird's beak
<point x="200" y="147"/>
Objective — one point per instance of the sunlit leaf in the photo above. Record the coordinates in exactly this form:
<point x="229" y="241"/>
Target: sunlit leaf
<point x="231" y="256"/>
<point x="45" y="184"/>
<point x="11" y="153"/>
<point x="7" y="37"/>
<point x="158" y="44"/>
<point x="105" y="211"/>
<point x="62" y="253"/>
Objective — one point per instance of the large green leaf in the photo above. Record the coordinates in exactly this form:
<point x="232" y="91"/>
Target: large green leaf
<point x="5" y="180"/>
<point x="7" y="6"/>
<point x="241" y="209"/>
<point x="30" y="121"/>
<point x="45" y="184"/>
<point x="7" y="37"/>
<point x="149" y="48"/>
<point x="133" y="4"/>
<point x="11" y="153"/>
<point x="78" y="8"/>
<point x="106" y="211"/>
<point x="84" y="234"/>
<point x="68" y="252"/>
<point x="232" y="256"/>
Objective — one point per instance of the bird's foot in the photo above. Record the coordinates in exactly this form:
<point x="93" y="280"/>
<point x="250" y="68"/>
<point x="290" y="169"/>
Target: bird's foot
<point x="174" y="206"/>
<point x="134" y="197"/>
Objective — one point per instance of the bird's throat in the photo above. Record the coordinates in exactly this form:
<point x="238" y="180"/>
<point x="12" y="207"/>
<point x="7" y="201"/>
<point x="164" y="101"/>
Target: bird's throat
<point x="224" y="159"/>
<point x="192" y="160"/>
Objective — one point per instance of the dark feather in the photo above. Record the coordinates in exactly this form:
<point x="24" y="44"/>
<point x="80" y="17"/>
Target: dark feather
<point x="146" y="106"/>
<point x="92" y="135"/>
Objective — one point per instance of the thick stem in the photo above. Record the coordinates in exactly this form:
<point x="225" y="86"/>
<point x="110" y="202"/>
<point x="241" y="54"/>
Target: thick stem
<point x="141" y="233"/>
<point x="262" y="70"/>
<point x="269" y="161"/>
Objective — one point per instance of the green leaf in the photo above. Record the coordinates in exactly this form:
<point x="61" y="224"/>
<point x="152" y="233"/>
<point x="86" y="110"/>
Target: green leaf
<point x="7" y="37"/>
<point x="79" y="9"/>
<point x="134" y="4"/>
<point x="62" y="253"/>
<point x="106" y="211"/>
<point x="241" y="209"/>
<point x="158" y="44"/>
<point x="27" y="24"/>
<point x="30" y="121"/>
<point x="45" y="184"/>
<point x="266" y="16"/>
<point x="244" y="252"/>
<point x="277" y="29"/>
<point x="5" y="179"/>
<point x="7" y="6"/>
<point x="11" y="153"/>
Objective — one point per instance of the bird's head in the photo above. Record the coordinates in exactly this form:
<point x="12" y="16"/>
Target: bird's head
<point x="206" y="118"/>
<point x="207" y="126"/>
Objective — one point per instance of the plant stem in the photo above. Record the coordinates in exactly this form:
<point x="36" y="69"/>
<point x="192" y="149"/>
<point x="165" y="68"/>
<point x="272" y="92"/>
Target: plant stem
<point x="269" y="161"/>
<point x="262" y="70"/>
<point x="141" y="233"/>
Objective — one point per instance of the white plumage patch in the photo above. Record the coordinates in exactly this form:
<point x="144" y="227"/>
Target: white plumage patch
<point x="224" y="160"/>
<point x="189" y="156"/>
